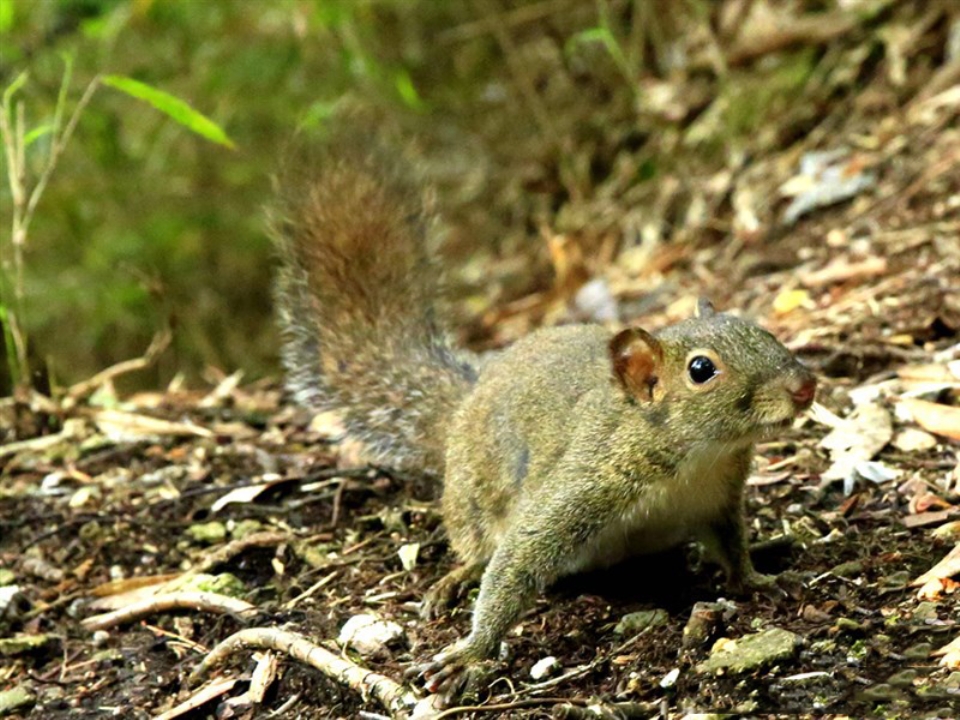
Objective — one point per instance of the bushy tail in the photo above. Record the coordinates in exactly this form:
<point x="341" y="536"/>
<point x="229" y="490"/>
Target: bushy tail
<point x="356" y="297"/>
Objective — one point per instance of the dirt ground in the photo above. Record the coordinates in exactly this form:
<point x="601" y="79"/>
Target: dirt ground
<point x="99" y="498"/>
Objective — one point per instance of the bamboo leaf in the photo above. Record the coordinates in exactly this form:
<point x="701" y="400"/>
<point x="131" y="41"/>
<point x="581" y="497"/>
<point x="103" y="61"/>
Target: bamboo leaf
<point x="36" y="133"/>
<point x="6" y="17"/>
<point x="170" y="105"/>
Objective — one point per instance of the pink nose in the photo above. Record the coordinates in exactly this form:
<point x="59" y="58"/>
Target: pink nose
<point x="804" y="394"/>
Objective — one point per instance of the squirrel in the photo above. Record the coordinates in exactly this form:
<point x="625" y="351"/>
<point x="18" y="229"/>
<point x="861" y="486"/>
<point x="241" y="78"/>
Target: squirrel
<point x="570" y="450"/>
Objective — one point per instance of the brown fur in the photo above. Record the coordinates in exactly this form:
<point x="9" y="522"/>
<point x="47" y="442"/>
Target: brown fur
<point x="356" y="295"/>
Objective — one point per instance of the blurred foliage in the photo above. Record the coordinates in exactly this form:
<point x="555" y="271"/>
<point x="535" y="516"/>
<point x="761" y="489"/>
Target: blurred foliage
<point x="143" y="223"/>
<point x="601" y="121"/>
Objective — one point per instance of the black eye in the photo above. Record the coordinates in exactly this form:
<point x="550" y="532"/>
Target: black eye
<point x="701" y="369"/>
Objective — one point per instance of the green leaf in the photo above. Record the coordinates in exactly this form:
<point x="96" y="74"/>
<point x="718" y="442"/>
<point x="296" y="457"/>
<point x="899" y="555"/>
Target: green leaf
<point x="590" y="35"/>
<point x="404" y="85"/>
<point x="593" y="34"/>
<point x="172" y="106"/>
<point x="36" y="133"/>
<point x="319" y="112"/>
<point x="64" y="89"/>
<point x="6" y="17"/>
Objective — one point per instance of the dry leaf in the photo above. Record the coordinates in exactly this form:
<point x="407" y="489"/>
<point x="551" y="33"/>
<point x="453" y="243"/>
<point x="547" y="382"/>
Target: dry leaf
<point x="946" y="568"/>
<point x="222" y="391"/>
<point x="875" y="471"/>
<point x="328" y="424"/>
<point x="933" y="417"/>
<point x="826" y="178"/>
<point x="855" y="440"/>
<point x="824" y="415"/>
<point x="122" y="426"/>
<point x="947" y="531"/>
<point x="934" y="590"/>
<point x="932" y="372"/>
<point x="927" y="501"/>
<point x="928" y="379"/>
<point x="122" y="593"/>
<point x="914" y="440"/>
<point x="789" y="300"/>
<point x="119" y="587"/>
<point x="247" y="494"/>
<point x="842" y="269"/>
<point x="950" y="654"/>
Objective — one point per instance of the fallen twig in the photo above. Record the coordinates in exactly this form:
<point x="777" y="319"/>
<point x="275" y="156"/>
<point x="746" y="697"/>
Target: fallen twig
<point x="79" y="391"/>
<point x="312" y="590"/>
<point x="813" y="29"/>
<point x="393" y="696"/>
<point x="205" y="601"/>
<point x="200" y="698"/>
<point x="265" y="538"/>
<point x="72" y="429"/>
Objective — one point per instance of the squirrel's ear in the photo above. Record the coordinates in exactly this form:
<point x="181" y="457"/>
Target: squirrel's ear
<point x="637" y="357"/>
<point x="705" y="308"/>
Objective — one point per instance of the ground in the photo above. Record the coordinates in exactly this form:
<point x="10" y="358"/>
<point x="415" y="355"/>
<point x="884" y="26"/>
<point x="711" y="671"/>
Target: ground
<point x="101" y="495"/>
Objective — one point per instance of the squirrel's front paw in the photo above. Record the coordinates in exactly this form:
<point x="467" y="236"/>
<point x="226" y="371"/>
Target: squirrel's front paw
<point x="456" y="672"/>
<point x="440" y="597"/>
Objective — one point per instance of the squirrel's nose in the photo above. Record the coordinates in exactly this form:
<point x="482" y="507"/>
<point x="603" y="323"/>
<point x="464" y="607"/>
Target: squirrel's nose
<point x="803" y="392"/>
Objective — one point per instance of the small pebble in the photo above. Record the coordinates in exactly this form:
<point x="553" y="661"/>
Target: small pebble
<point x="923" y="612"/>
<point x="705" y="621"/>
<point x="369" y="634"/>
<point x="15" y="699"/>
<point x="596" y="301"/>
<point x="670" y="679"/>
<point x="13" y="603"/>
<point x="751" y="652"/>
<point x="544" y="667"/>
<point x="632" y="623"/>
<point x="920" y="651"/>
<point x="851" y="569"/>
<point x="882" y="692"/>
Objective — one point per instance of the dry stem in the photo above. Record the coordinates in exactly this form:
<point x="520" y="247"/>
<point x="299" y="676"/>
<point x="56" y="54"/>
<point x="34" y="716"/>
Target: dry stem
<point x="393" y="696"/>
<point x="205" y="601"/>
<point x="25" y="202"/>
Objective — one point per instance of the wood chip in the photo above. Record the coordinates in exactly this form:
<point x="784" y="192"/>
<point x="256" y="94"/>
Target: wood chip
<point x="924" y="519"/>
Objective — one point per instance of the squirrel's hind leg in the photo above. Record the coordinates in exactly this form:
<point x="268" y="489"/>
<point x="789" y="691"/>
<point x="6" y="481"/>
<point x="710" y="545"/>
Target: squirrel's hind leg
<point x="450" y="588"/>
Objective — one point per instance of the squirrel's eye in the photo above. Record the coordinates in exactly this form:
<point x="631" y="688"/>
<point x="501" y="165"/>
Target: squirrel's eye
<point x="701" y="369"/>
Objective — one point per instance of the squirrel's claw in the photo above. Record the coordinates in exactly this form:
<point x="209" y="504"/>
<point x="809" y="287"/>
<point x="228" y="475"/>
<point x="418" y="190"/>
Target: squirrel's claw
<point x="449" y="589"/>
<point x="440" y="597"/>
<point x="453" y="673"/>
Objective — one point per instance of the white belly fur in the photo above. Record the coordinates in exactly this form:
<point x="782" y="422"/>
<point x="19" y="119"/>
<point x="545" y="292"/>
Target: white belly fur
<point x="668" y="511"/>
